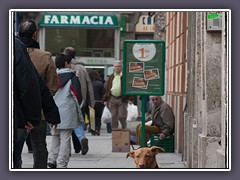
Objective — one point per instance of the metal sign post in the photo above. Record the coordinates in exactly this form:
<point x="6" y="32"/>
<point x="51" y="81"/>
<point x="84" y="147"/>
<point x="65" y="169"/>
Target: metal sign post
<point x="143" y="137"/>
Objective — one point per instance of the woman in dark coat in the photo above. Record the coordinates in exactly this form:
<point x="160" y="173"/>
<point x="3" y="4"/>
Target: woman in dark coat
<point x="98" y="89"/>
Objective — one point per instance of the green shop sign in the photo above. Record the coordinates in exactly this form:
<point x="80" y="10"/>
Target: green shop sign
<point x="213" y="15"/>
<point x="143" y="67"/>
<point x="80" y="20"/>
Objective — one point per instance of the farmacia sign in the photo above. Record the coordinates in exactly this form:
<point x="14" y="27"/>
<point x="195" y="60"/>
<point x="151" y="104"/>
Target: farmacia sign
<point x="78" y="20"/>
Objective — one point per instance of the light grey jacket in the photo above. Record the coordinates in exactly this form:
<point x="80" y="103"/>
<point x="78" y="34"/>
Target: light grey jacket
<point x="69" y="109"/>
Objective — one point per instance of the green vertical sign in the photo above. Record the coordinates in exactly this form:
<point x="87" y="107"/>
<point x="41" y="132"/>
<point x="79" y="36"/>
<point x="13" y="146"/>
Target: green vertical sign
<point x="143" y="67"/>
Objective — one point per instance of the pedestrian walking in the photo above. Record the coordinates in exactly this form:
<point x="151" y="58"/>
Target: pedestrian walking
<point x="43" y="62"/>
<point x="98" y="89"/>
<point x="114" y="99"/>
<point x="68" y="99"/>
<point x="27" y="100"/>
<point x="80" y="142"/>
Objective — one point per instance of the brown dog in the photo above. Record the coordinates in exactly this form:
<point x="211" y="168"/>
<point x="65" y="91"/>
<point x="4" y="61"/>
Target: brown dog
<point x="145" y="157"/>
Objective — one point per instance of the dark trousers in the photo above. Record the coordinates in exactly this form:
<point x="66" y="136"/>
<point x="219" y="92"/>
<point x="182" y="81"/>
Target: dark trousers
<point x="39" y="145"/>
<point x="75" y="140"/>
<point x="19" y="139"/>
<point x="98" y="114"/>
<point x="109" y="127"/>
<point x="29" y="142"/>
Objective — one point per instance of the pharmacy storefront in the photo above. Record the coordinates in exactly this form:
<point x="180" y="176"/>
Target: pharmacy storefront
<point x="94" y="36"/>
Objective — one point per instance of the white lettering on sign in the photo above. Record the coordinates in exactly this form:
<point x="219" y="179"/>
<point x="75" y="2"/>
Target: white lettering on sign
<point x="47" y="19"/>
<point x="87" y="20"/>
<point x="94" y="20"/>
<point x="64" y="20"/>
<point x="54" y="20"/>
<point x="108" y="20"/>
<point x="101" y="20"/>
<point x="75" y="20"/>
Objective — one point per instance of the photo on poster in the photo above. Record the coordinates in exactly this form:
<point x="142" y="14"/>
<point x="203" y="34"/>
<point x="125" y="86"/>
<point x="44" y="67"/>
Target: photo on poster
<point x="139" y="83"/>
<point x="136" y="66"/>
<point x="151" y="74"/>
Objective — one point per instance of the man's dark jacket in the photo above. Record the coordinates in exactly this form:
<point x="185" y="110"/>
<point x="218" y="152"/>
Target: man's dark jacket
<point x="48" y="105"/>
<point x="27" y="95"/>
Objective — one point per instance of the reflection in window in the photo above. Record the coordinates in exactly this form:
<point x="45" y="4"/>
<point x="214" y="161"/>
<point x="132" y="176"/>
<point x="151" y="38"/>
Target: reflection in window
<point x="87" y="42"/>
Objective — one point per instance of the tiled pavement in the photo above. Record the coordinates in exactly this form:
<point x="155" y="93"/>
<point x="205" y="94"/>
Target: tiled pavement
<point x="101" y="157"/>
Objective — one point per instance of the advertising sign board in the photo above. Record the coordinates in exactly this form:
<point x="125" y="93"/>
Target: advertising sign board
<point x="143" y="67"/>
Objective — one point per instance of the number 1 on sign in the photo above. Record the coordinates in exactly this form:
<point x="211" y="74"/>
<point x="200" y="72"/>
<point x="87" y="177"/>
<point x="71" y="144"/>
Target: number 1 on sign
<point x="142" y="50"/>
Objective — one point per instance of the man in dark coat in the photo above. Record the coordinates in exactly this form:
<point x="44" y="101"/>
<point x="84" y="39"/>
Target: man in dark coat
<point x="50" y="109"/>
<point x="27" y="99"/>
<point x="46" y="68"/>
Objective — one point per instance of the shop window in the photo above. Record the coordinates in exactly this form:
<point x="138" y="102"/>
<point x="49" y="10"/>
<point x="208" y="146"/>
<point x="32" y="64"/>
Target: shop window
<point x="87" y="42"/>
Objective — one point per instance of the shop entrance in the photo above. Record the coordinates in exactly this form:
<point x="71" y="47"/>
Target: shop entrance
<point x="104" y="71"/>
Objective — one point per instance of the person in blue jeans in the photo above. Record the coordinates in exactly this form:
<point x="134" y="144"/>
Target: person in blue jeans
<point x="80" y="137"/>
<point x="80" y="142"/>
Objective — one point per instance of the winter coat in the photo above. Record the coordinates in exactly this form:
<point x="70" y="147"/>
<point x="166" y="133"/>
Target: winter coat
<point x="68" y="99"/>
<point x="46" y="68"/>
<point x="163" y="118"/>
<point x="98" y="90"/>
<point x="86" y="85"/>
<point x="27" y="96"/>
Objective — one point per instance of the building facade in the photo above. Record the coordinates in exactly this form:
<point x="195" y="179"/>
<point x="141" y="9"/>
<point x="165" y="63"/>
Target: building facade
<point x="197" y="86"/>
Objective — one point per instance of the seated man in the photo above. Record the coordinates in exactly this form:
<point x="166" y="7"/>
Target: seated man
<point x="163" y="120"/>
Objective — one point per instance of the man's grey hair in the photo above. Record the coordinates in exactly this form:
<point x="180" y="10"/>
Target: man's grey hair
<point x="117" y="62"/>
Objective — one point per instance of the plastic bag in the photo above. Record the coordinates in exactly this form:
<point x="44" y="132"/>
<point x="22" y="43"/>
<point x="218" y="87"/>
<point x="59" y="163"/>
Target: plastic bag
<point x="132" y="112"/>
<point x="92" y="117"/>
<point x="106" y="116"/>
<point x="86" y="119"/>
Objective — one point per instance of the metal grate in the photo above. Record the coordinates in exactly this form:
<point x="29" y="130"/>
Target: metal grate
<point x="216" y="22"/>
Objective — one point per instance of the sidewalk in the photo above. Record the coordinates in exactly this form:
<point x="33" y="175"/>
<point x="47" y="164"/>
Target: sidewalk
<point x="100" y="154"/>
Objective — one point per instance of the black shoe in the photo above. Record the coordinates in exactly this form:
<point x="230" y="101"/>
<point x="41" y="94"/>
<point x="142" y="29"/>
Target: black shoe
<point x="93" y="133"/>
<point x="97" y="132"/>
<point x="85" y="127"/>
<point x="84" y="145"/>
<point x="77" y="151"/>
<point x="51" y="165"/>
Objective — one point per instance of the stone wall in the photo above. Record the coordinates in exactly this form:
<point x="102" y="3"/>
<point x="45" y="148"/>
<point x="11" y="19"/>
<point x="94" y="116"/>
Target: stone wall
<point x="205" y="93"/>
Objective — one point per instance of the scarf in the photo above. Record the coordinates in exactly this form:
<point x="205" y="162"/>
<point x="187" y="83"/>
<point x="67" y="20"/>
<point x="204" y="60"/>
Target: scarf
<point x="29" y="42"/>
<point x="75" y="86"/>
